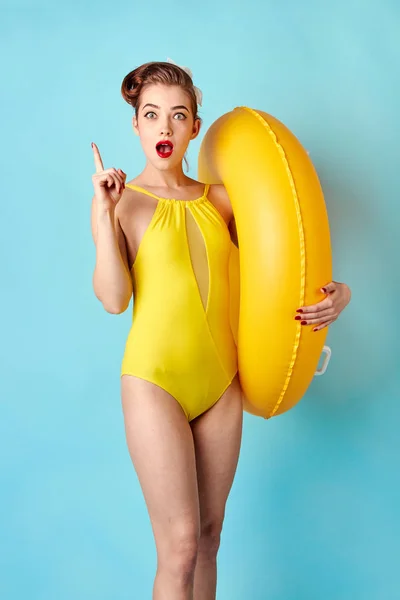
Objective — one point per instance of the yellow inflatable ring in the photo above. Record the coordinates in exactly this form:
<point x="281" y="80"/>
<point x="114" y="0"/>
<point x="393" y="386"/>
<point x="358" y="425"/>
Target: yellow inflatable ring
<point x="284" y="257"/>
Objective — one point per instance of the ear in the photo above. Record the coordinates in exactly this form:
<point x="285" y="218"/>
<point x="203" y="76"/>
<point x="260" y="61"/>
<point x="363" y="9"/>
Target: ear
<point x="196" y="129"/>
<point x="135" y="125"/>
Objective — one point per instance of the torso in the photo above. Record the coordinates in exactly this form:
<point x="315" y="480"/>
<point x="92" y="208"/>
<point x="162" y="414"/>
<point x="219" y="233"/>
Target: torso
<point x="182" y="333"/>
<point x="135" y="211"/>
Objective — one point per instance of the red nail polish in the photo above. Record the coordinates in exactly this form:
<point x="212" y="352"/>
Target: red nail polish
<point x="298" y="318"/>
<point x="299" y="310"/>
<point x="324" y="290"/>
<point x="304" y="322"/>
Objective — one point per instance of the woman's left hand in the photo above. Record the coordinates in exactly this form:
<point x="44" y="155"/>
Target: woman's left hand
<point x="327" y="311"/>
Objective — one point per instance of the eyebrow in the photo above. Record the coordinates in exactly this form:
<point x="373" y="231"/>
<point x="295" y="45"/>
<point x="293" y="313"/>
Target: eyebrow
<point x="172" y="107"/>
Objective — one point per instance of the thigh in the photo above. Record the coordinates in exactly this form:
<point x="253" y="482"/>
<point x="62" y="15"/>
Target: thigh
<point x="160" y="444"/>
<point x="217" y="437"/>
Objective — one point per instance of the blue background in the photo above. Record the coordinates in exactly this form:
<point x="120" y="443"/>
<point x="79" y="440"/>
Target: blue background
<point x="314" y="510"/>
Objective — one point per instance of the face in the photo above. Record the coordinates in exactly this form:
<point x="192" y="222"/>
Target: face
<point x="165" y="115"/>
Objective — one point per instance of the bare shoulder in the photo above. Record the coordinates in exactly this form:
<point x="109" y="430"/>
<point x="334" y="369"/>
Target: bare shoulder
<point x="219" y="197"/>
<point x="218" y="191"/>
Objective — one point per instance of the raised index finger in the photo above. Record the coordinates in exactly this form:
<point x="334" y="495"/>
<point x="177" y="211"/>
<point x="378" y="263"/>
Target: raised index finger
<point x="97" y="158"/>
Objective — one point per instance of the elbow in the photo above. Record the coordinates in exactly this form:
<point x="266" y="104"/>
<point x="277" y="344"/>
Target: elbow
<point x="116" y="307"/>
<point x="112" y="310"/>
<point x="114" y="303"/>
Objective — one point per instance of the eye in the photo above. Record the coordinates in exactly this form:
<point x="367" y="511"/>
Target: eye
<point x="180" y="116"/>
<point x="150" y="113"/>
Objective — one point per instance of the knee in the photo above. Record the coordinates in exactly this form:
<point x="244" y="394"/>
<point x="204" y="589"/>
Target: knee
<point x="210" y="539"/>
<point x="180" y="554"/>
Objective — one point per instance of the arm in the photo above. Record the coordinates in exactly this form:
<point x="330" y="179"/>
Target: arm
<point x="112" y="282"/>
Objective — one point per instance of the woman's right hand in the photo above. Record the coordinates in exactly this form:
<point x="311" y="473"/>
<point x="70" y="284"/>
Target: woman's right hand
<point x="108" y="184"/>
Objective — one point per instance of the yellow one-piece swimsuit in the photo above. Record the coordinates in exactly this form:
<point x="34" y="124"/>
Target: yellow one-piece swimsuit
<point x="181" y="337"/>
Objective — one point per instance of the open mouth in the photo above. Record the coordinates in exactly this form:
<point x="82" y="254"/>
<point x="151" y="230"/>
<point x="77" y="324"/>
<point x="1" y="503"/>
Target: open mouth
<point x="164" y="148"/>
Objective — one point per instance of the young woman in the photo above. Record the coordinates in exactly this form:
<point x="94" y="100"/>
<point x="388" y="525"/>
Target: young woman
<point x="166" y="239"/>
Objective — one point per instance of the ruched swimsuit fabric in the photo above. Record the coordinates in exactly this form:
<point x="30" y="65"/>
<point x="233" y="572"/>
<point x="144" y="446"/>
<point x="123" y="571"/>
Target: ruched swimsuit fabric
<point x="181" y="337"/>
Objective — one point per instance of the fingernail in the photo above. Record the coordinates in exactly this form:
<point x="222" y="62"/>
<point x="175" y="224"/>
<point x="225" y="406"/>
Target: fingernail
<point x="324" y="290"/>
<point x="299" y="310"/>
<point x="304" y="322"/>
<point x="298" y="318"/>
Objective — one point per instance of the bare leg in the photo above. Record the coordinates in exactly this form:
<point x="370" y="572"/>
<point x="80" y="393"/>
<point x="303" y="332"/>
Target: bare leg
<point x="217" y="436"/>
<point x="160" y="443"/>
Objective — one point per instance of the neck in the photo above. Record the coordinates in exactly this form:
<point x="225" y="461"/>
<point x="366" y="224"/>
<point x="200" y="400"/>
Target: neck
<point x="170" y="178"/>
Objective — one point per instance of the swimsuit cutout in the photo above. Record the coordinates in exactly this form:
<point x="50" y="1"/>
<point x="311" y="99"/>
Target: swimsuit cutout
<point x="181" y="338"/>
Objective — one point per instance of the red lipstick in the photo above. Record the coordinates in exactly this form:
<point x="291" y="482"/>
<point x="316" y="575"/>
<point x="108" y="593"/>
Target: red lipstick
<point x="164" y="148"/>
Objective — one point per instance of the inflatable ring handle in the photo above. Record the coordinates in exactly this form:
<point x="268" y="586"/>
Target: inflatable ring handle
<point x="328" y="354"/>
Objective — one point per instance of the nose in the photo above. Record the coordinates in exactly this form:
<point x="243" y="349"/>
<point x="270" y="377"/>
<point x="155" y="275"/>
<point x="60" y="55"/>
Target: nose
<point x="165" y="128"/>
